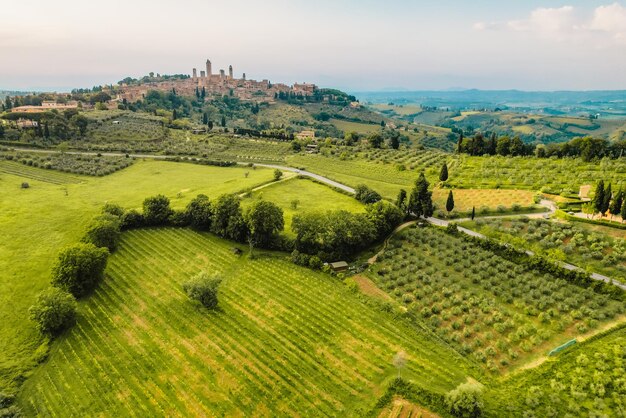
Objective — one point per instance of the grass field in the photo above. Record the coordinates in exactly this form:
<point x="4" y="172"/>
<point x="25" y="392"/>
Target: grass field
<point x="465" y="199"/>
<point x="284" y="341"/>
<point x="361" y="128"/>
<point x="311" y="197"/>
<point x="53" y="213"/>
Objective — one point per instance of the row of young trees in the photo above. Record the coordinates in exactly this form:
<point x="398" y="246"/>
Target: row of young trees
<point x="606" y="200"/>
<point x="587" y="148"/>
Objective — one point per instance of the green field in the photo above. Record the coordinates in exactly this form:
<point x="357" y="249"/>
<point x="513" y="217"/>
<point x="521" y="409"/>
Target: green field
<point x="311" y="197"/>
<point x="54" y="212"/>
<point x="284" y="341"/>
<point x="361" y="128"/>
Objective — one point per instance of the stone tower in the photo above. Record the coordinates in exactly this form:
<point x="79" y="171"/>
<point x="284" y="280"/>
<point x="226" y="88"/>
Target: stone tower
<point x="222" y="75"/>
<point x="208" y="68"/>
<point x="195" y="73"/>
<point x="244" y="76"/>
<point x="202" y="74"/>
<point x="230" y="72"/>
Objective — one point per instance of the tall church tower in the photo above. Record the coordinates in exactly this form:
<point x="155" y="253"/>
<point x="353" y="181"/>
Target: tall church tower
<point x="208" y="68"/>
<point x="230" y="72"/>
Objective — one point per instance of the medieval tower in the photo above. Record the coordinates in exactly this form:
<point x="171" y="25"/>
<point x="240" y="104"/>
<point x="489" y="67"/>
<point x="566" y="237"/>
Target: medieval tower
<point x="230" y="72"/>
<point x="208" y="68"/>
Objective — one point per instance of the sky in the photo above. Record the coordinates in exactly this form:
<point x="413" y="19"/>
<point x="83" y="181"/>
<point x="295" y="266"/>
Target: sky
<point x="355" y="45"/>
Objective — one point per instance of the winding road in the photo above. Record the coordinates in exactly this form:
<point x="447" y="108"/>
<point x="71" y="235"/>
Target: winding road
<point x="435" y="221"/>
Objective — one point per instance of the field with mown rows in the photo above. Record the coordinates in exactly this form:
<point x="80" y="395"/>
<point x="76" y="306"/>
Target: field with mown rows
<point x="497" y="312"/>
<point x="37" y="222"/>
<point x="284" y="341"/>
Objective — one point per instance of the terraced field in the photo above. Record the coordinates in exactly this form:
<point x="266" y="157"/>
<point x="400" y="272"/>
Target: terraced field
<point x="284" y="341"/>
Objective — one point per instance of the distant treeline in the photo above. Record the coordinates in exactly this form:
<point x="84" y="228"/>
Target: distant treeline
<point x="587" y="148"/>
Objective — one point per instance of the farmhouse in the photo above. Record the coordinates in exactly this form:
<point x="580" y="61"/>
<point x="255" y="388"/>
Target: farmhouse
<point x="305" y="135"/>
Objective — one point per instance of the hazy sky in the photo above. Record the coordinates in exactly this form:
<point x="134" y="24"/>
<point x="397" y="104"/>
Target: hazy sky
<point x="350" y="44"/>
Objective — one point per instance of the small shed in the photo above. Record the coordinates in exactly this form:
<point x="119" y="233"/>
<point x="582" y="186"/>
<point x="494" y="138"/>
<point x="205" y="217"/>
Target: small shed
<point x="339" y="266"/>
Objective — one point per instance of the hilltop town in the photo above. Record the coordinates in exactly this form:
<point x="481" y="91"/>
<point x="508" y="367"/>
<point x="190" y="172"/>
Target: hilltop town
<point x="210" y="84"/>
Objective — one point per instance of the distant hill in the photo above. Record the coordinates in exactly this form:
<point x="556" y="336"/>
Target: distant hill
<point x="611" y="103"/>
<point x="5" y="93"/>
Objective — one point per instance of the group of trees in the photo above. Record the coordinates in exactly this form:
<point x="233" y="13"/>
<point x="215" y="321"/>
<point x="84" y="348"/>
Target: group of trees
<point x="259" y="224"/>
<point x="337" y="234"/>
<point x="53" y="125"/>
<point x="504" y="145"/>
<point x="77" y="271"/>
<point x="606" y="200"/>
<point x="203" y="288"/>
<point x="419" y="202"/>
<point x="587" y="148"/>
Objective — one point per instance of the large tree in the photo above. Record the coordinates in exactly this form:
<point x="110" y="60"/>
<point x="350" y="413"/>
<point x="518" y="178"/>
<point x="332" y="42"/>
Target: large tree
<point x="616" y="204"/>
<point x="104" y="231"/>
<point x="598" y="197"/>
<point x="199" y="212"/>
<point x="204" y="289"/>
<point x="264" y="220"/>
<point x="54" y="311"/>
<point x="606" y="203"/>
<point x="420" y="201"/>
<point x="227" y="220"/>
<point x="156" y="210"/>
<point x="79" y="268"/>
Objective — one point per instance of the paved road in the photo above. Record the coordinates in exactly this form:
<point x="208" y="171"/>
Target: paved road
<point x="435" y="221"/>
<point x="163" y="157"/>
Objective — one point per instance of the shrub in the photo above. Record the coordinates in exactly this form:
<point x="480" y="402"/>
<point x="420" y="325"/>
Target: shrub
<point x="25" y="185"/>
<point x="204" y="289"/>
<point x="465" y="401"/>
<point x="54" y="311"/>
<point x="156" y="210"/>
<point x="199" y="212"/>
<point x="131" y="219"/>
<point x="277" y="174"/>
<point x="113" y="209"/>
<point x="79" y="268"/>
<point x="103" y="232"/>
<point x="364" y="194"/>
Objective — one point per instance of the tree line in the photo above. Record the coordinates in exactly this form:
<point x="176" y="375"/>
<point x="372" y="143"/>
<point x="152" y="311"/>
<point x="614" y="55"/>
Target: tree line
<point x="587" y="148"/>
<point x="605" y="200"/>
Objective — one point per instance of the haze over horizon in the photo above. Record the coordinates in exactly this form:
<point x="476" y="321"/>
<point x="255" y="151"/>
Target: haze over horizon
<point x="352" y="45"/>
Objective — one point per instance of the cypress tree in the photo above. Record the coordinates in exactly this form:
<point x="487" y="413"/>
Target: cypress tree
<point x="174" y="115"/>
<point x="46" y="131"/>
<point x="598" y="198"/>
<point x="223" y="121"/>
<point x="459" y="145"/>
<point x="420" y="201"/>
<point x="473" y="212"/>
<point x="443" y="176"/>
<point x="608" y="194"/>
<point x="623" y="212"/>
<point x="450" y="202"/>
<point x="616" y="204"/>
<point x="401" y="200"/>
